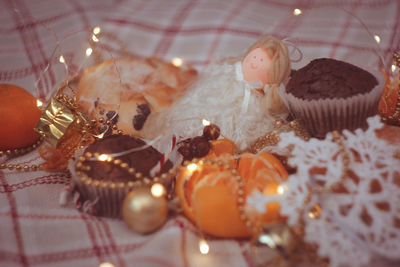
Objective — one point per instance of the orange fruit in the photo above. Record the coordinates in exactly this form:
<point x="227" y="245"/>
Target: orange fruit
<point x="208" y="192"/>
<point x="19" y="114"/>
<point x="223" y="149"/>
<point x="222" y="146"/>
<point x="263" y="172"/>
<point x="208" y="198"/>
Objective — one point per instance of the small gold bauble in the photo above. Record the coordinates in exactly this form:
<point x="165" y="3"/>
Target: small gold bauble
<point x="143" y="212"/>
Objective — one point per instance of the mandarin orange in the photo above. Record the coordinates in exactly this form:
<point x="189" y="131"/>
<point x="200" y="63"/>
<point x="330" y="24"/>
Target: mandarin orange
<point x="19" y="114"/>
<point x="208" y="192"/>
<point x="208" y="198"/>
<point x="264" y="173"/>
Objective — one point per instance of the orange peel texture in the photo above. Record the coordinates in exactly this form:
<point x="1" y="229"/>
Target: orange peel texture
<point x="209" y="192"/>
<point x="19" y="114"/>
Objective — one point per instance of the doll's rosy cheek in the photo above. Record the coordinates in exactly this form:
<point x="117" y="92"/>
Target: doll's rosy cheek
<point x="256" y="66"/>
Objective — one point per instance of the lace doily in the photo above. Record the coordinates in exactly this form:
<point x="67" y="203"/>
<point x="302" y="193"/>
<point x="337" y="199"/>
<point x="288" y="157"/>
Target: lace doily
<point x="359" y="222"/>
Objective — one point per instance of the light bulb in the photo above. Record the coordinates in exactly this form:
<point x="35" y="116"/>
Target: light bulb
<point x="157" y="190"/>
<point x="203" y="246"/>
<point x="177" y="61"/>
<point x="297" y="12"/>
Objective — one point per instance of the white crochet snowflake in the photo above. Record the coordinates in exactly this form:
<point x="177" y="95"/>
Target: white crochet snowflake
<point x="353" y="227"/>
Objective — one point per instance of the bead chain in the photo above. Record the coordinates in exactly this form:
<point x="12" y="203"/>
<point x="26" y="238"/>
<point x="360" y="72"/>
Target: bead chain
<point x="272" y="138"/>
<point x="396" y="59"/>
<point x="20" y="151"/>
<point x="71" y="102"/>
<point x="140" y="180"/>
<point x="238" y="178"/>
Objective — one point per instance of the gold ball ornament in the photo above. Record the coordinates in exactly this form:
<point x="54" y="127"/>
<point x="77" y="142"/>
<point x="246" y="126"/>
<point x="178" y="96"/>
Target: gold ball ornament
<point x="143" y="212"/>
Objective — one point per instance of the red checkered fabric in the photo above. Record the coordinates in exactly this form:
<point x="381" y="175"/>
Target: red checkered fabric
<point x="34" y="229"/>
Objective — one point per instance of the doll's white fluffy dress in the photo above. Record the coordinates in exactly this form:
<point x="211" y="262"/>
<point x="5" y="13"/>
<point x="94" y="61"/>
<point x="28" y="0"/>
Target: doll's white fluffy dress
<point x="222" y="97"/>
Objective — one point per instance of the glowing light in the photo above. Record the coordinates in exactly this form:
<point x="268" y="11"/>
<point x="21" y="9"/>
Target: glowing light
<point x="157" y="190"/>
<point x="297" y="12"/>
<point x="106" y="264"/>
<point x="39" y="103"/>
<point x="281" y="189"/>
<point x="89" y="51"/>
<point x="205" y="122"/>
<point x="312" y="215"/>
<point x="192" y="167"/>
<point x="96" y="30"/>
<point x="394" y="68"/>
<point x="315" y="212"/>
<point x="203" y="246"/>
<point x="104" y="157"/>
<point x="377" y="39"/>
<point x="266" y="239"/>
<point x="61" y="59"/>
<point x="177" y="61"/>
<point x="94" y="38"/>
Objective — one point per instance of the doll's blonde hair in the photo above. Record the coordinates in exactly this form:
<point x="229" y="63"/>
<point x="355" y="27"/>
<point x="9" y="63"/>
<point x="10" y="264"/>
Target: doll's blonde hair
<point x="279" y="70"/>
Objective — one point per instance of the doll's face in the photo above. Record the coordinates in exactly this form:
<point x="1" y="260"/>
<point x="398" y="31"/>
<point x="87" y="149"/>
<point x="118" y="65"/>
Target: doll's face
<point x="256" y="65"/>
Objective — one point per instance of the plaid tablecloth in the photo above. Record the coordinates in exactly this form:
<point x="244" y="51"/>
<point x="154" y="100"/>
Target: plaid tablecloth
<point x="34" y="229"/>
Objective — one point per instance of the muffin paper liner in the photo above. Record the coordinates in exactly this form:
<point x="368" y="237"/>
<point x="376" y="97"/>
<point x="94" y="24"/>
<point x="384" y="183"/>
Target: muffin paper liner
<point x="104" y="198"/>
<point x="324" y="115"/>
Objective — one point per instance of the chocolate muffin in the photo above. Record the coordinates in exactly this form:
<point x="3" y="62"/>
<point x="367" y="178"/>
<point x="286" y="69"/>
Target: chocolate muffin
<point x="330" y="78"/>
<point x="109" y="168"/>
<point x="329" y="94"/>
<point x="143" y="160"/>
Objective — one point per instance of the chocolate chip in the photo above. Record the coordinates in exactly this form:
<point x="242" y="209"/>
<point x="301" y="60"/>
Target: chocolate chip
<point x="143" y="111"/>
<point x="96" y="103"/>
<point x="111" y="116"/>
<point x="105" y="129"/>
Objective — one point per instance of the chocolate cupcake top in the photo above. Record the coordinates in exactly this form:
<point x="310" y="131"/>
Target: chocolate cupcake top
<point x="329" y="78"/>
<point x="142" y="160"/>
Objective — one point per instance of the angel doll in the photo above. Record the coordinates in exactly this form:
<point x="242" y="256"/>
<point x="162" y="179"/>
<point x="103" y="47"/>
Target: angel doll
<point x="238" y="95"/>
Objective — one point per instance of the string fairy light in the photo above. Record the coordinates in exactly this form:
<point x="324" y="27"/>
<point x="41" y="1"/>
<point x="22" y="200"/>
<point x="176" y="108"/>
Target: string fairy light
<point x="61" y="59"/>
<point x="106" y="264"/>
<point x="96" y="30"/>
<point x="377" y="38"/>
<point x="94" y="38"/>
<point x="204" y="247"/>
<point x="192" y="167"/>
<point x="89" y="51"/>
<point x="394" y="68"/>
<point x="157" y="190"/>
<point x="297" y="12"/>
<point x="205" y="122"/>
<point x="177" y="61"/>
<point x="104" y="157"/>
<point x="39" y="103"/>
<point x="267" y="239"/>
<point x="281" y="189"/>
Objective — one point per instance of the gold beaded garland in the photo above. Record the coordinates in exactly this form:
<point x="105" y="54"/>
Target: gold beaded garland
<point x="141" y="180"/>
<point x="18" y="152"/>
<point x="272" y="138"/>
